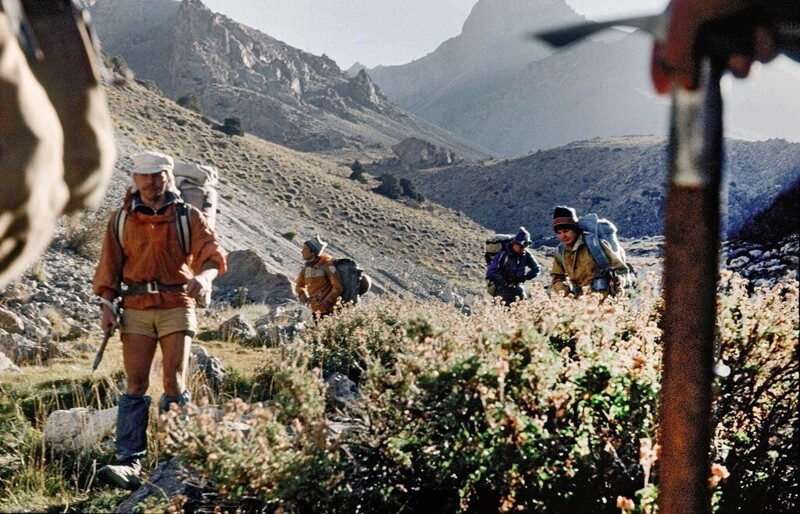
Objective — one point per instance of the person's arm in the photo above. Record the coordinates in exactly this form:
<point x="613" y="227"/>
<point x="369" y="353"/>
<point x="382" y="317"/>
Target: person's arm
<point x="558" y="278"/>
<point x="532" y="265"/>
<point x="200" y="284"/>
<point x="206" y="247"/>
<point x="336" y="287"/>
<point x="300" y="286"/>
<point x="108" y="275"/>
<point x="675" y="60"/>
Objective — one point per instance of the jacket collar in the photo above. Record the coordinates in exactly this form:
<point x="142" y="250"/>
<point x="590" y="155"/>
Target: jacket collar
<point x="577" y="244"/>
<point x="138" y="205"/>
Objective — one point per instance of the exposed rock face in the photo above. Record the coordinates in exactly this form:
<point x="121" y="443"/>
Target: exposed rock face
<point x="622" y="179"/>
<point x="416" y="153"/>
<point x="279" y="93"/>
<point x="493" y="85"/>
<point x="249" y="275"/>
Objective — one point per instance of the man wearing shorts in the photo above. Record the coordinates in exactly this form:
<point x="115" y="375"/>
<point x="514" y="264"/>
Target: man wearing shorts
<point x="144" y="262"/>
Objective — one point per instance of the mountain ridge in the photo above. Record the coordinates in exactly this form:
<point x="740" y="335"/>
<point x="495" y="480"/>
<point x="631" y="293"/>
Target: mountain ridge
<point x="599" y="87"/>
<point x="280" y="93"/>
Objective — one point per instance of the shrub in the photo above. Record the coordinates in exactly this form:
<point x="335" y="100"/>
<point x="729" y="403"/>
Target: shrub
<point x="85" y="232"/>
<point x="357" y="172"/>
<point x="410" y="191"/>
<point x="190" y="101"/>
<point x="232" y="127"/>
<point x="389" y="186"/>
<point x="546" y="406"/>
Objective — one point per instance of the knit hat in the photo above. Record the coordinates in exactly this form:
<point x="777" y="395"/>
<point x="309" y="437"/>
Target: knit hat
<point x="316" y="245"/>
<point x="565" y="218"/>
<point x="523" y="238"/>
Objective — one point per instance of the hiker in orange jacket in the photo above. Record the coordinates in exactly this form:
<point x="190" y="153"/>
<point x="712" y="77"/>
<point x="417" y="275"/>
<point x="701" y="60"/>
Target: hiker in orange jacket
<point x="318" y="281"/>
<point x="161" y="286"/>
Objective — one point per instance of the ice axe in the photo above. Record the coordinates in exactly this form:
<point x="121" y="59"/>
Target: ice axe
<point x="106" y="336"/>
<point x="691" y="256"/>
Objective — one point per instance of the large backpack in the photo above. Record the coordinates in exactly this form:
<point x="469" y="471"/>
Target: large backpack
<point x="595" y="230"/>
<point x="495" y="245"/>
<point x="354" y="281"/>
<point x="197" y="184"/>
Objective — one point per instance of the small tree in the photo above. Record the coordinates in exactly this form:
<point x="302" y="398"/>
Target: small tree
<point x="232" y="127"/>
<point x="358" y="172"/>
<point x="409" y="190"/>
<point x="190" y="101"/>
<point x="389" y="186"/>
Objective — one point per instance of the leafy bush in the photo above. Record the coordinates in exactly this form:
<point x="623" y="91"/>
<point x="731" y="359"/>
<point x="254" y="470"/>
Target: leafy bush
<point x="389" y="186"/>
<point x="547" y="406"/>
<point x="190" y="101"/>
<point x="410" y="190"/>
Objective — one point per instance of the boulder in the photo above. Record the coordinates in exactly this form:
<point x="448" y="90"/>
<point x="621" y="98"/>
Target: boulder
<point x="247" y="271"/>
<point x="79" y="428"/>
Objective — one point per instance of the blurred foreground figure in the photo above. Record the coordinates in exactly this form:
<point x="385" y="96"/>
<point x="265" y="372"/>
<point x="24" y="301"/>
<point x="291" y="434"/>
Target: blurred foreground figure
<point x="56" y="139"/>
<point x="762" y="30"/>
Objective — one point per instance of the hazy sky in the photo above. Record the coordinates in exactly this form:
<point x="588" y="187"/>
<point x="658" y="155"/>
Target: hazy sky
<point x="384" y="32"/>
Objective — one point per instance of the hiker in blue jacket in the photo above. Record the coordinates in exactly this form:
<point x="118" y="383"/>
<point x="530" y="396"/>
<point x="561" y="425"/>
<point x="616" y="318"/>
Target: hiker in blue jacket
<point x="507" y="272"/>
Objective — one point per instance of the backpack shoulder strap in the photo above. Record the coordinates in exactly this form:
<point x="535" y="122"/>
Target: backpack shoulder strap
<point x="119" y="225"/>
<point x="596" y="249"/>
<point x="503" y="260"/>
<point x="183" y="218"/>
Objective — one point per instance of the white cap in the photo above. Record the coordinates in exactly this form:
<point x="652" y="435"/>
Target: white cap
<point x="147" y="163"/>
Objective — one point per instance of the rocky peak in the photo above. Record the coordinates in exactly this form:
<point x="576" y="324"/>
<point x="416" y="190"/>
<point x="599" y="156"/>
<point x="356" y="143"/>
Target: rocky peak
<point x="365" y="92"/>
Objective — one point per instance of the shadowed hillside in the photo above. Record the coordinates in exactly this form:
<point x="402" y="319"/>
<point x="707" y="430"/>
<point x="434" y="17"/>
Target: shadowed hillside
<point x="620" y="178"/>
<point x="268" y="192"/>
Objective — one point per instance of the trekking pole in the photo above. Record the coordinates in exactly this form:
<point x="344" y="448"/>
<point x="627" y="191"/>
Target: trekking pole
<point x="691" y="267"/>
<point x="691" y="256"/>
<point x="106" y="336"/>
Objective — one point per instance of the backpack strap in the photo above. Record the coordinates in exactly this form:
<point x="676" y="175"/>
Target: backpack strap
<point x="119" y="225"/>
<point x="183" y="220"/>
<point x="597" y="251"/>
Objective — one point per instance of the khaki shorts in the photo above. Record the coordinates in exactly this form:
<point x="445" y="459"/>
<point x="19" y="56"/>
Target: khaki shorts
<point x="159" y="322"/>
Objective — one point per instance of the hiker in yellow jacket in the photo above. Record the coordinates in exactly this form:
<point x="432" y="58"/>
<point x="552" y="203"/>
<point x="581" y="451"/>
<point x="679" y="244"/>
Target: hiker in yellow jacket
<point x="579" y="269"/>
<point x="318" y="281"/>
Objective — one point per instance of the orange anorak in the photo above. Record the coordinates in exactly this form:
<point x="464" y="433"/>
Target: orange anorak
<point x="321" y="283"/>
<point x="153" y="253"/>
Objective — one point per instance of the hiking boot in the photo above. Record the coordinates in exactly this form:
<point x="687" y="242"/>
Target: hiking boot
<point x="123" y="473"/>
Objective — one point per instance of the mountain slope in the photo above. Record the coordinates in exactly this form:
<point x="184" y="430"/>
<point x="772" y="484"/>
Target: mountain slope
<point x="619" y="178"/>
<point x="597" y="88"/>
<point x="280" y="93"/>
<point x="272" y="198"/>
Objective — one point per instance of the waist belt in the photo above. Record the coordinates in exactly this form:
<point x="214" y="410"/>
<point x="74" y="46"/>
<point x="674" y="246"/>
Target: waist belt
<point x="151" y="288"/>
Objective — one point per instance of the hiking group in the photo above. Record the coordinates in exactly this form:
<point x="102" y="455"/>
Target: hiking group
<point x="587" y="258"/>
<point x="160" y="254"/>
